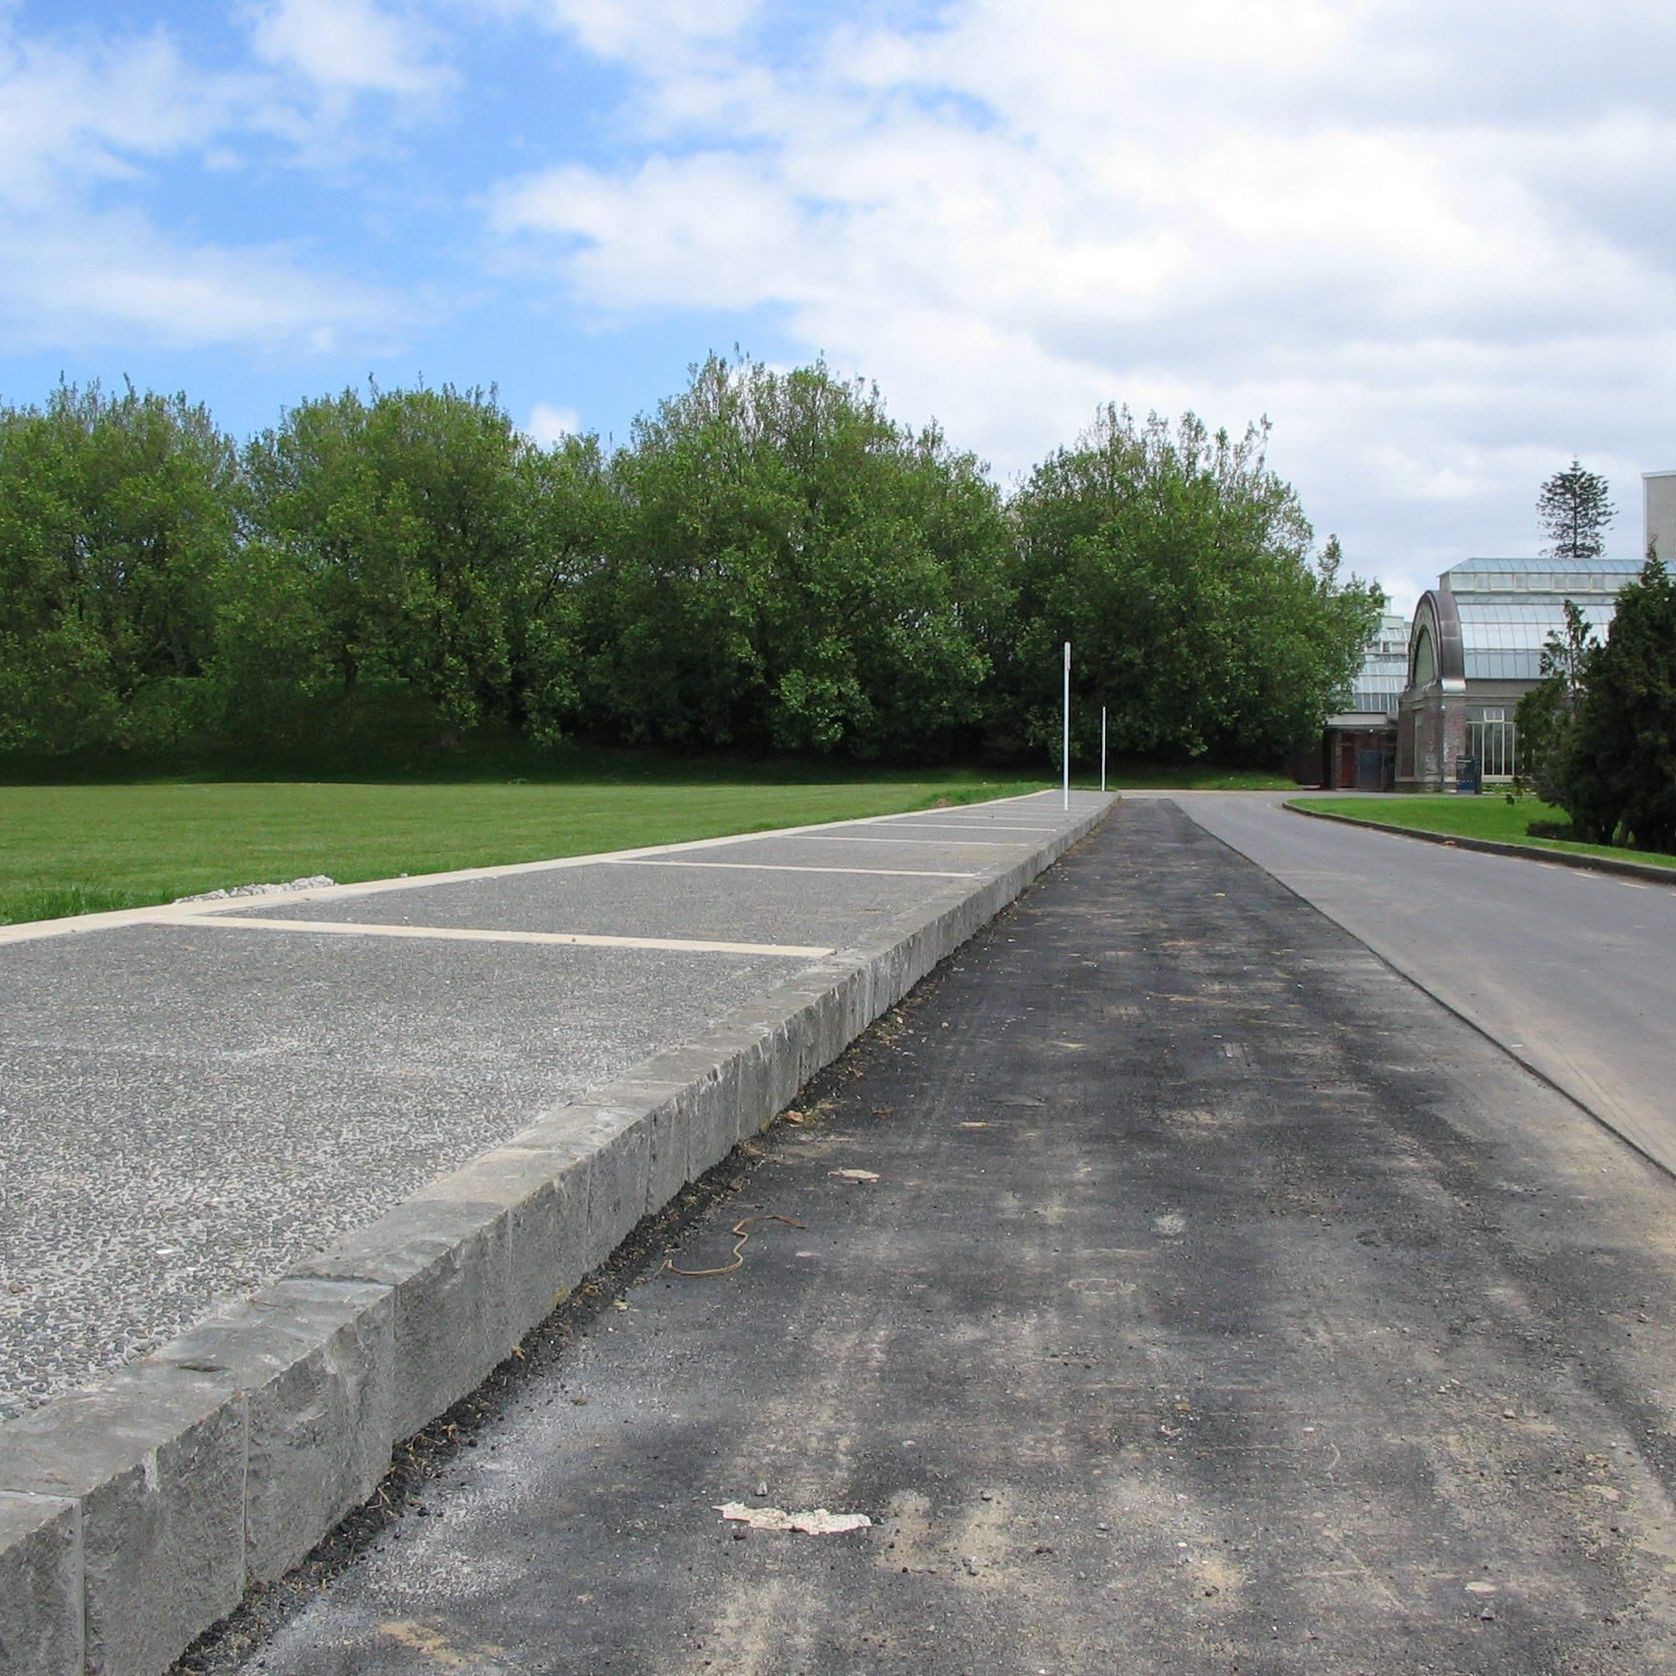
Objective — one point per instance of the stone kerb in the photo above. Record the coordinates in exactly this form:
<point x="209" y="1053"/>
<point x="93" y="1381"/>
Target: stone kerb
<point x="40" y="1584"/>
<point x="134" y="1515"/>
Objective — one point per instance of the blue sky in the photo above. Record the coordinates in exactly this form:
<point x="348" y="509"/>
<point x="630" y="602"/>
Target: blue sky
<point x="1434" y="243"/>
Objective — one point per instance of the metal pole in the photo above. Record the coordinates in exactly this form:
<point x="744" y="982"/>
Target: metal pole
<point x="1102" y="747"/>
<point x="1065" y="759"/>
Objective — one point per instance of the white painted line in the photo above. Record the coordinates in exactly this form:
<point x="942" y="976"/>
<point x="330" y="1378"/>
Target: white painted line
<point x="974" y="826"/>
<point x="943" y="843"/>
<point x="458" y="934"/>
<point x="792" y="867"/>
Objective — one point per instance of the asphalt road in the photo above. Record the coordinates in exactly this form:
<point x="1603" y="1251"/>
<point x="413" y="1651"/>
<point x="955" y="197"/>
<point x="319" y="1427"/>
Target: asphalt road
<point x="1573" y="972"/>
<point x="1221" y="1304"/>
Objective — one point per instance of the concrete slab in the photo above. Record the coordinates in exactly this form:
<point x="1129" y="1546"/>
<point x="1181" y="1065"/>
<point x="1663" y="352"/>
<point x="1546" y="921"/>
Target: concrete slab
<point x="878" y="846"/>
<point x="737" y="904"/>
<point x="186" y="1113"/>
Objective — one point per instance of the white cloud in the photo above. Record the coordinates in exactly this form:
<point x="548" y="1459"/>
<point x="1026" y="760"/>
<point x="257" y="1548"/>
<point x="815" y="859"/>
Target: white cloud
<point x="635" y="29"/>
<point x="85" y="120"/>
<point x="82" y="115"/>
<point x="112" y="278"/>
<point x="548" y="424"/>
<point x="349" y="45"/>
<point x="715" y="232"/>
<point x="1431" y="241"/>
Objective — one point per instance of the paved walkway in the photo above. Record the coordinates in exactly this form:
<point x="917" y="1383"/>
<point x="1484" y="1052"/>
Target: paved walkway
<point x="192" y="1100"/>
<point x="1573" y="972"/>
<point x="1221" y="1303"/>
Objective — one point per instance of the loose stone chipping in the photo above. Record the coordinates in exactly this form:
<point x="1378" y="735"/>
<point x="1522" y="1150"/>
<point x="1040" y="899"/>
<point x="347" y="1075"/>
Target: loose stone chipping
<point x="314" y="881"/>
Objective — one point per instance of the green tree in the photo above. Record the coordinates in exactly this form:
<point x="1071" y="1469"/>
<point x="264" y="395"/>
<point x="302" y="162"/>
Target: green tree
<point x="1620" y="774"/>
<point x="1547" y="714"/>
<point x="572" y="511"/>
<point x="115" y="515"/>
<point x="793" y="570"/>
<point x="1575" y="508"/>
<point x="417" y="525"/>
<point x="1179" y="566"/>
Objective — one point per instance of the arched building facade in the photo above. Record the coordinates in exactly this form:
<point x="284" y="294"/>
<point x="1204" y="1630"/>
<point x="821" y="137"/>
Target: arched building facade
<point x="1475" y="649"/>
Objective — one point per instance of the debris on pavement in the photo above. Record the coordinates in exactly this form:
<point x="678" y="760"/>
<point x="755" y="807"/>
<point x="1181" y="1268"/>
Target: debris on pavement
<point x="816" y="1522"/>
<point x="741" y="1231"/>
<point x="855" y="1175"/>
<point x="314" y="881"/>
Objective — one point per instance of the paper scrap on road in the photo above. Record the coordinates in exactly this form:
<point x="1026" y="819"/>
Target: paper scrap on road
<point x="856" y="1175"/>
<point x="816" y="1522"/>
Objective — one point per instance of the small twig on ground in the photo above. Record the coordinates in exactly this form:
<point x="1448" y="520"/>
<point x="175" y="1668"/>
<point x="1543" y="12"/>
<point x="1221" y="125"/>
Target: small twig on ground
<point x="741" y="1230"/>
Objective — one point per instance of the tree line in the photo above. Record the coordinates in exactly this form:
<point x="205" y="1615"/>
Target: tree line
<point x="769" y="563"/>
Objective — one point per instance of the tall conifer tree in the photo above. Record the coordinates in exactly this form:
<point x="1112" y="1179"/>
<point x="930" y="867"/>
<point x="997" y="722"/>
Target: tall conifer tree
<point x="1575" y="509"/>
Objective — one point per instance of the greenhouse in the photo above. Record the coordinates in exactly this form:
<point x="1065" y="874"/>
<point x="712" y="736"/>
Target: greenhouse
<point x="1475" y="649"/>
<point x="1359" y="750"/>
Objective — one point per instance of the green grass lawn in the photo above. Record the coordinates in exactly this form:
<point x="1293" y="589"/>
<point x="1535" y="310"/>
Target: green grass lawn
<point x="1142" y="776"/>
<point x="69" y="849"/>
<point x="84" y="834"/>
<point x="1489" y="816"/>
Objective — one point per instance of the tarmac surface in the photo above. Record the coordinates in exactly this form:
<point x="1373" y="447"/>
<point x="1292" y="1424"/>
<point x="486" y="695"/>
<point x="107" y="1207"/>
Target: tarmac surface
<point x="192" y="1101"/>
<point x="1573" y="972"/>
<point x="1212" y="1301"/>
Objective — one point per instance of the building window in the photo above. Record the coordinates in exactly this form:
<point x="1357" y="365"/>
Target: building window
<point x="1493" y="738"/>
<point x="1425" y="664"/>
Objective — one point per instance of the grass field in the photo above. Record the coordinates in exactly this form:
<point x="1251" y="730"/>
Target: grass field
<point x="80" y="835"/>
<point x="1489" y="816"/>
<point x="82" y="849"/>
<point x="1175" y="777"/>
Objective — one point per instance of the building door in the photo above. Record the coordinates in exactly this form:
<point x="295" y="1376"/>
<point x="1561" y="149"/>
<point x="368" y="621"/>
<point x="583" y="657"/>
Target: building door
<point x="1492" y="737"/>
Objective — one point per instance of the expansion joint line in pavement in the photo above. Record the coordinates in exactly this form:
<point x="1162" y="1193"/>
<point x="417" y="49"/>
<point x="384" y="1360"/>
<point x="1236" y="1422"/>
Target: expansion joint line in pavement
<point x="941" y="843"/>
<point x="794" y="867"/>
<point x="971" y="826"/>
<point x="579" y="939"/>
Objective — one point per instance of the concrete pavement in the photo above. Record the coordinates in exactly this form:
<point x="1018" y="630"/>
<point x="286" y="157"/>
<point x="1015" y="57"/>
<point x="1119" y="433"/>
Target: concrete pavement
<point x="191" y="1104"/>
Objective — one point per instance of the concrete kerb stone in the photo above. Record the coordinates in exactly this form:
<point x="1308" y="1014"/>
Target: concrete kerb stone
<point x="155" y="1460"/>
<point x="40" y="1586"/>
<point x="606" y="1151"/>
<point x="133" y="1515"/>
<point x="315" y="1361"/>
<point x="446" y="1257"/>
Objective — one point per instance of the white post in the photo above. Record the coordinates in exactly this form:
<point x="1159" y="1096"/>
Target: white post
<point x="1102" y="747"/>
<point x="1065" y="759"/>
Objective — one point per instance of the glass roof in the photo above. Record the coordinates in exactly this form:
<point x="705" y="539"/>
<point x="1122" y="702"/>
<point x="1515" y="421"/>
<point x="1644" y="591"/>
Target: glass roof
<point x="1503" y="639"/>
<point x="1384" y="671"/>
<point x="1538" y="576"/>
<point x="1633" y="566"/>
